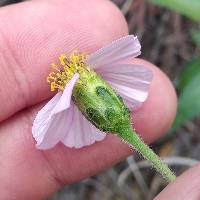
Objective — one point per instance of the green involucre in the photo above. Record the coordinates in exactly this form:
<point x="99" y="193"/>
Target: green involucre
<point x="99" y="103"/>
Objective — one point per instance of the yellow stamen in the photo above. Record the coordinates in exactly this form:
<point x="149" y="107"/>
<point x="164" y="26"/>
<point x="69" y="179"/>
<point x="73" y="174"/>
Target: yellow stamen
<point x="62" y="74"/>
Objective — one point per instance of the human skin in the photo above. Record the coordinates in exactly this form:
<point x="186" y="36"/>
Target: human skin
<point x="32" y="35"/>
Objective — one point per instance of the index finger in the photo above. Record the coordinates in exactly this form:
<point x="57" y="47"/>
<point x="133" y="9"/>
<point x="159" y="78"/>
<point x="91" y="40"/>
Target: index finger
<point x="37" y="32"/>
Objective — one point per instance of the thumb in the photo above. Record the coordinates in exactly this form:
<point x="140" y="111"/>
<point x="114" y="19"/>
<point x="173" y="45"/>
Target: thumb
<point x="187" y="186"/>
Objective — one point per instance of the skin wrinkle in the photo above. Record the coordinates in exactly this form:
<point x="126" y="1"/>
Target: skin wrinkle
<point x="54" y="173"/>
<point x="19" y="78"/>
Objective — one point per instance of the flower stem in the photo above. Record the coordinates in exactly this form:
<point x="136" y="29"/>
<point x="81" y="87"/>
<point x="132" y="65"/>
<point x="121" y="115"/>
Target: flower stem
<point x="130" y="136"/>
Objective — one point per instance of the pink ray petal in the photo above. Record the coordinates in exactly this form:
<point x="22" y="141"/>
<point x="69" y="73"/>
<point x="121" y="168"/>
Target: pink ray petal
<point x="53" y="120"/>
<point x="118" y="50"/>
<point x="82" y="132"/>
<point x="130" y="81"/>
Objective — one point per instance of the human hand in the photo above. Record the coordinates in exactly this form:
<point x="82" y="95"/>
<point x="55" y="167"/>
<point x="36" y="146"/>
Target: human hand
<point x="32" y="35"/>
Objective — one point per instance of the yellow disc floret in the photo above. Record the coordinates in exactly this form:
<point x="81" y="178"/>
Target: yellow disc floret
<point x="69" y="66"/>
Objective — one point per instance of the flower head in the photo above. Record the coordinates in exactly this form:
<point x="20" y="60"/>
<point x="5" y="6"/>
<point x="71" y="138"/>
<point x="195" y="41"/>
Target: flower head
<point x="60" y="77"/>
<point x="88" y="101"/>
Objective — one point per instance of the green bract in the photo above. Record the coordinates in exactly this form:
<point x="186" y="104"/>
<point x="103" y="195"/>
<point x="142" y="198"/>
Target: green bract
<point x="100" y="104"/>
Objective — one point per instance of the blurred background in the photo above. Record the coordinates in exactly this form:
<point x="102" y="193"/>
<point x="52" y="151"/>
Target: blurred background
<point x="170" y="35"/>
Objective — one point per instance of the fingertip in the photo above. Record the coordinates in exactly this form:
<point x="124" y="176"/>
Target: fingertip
<point x="186" y="186"/>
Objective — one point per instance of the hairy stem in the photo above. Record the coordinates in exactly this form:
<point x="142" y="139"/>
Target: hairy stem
<point x="131" y="137"/>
